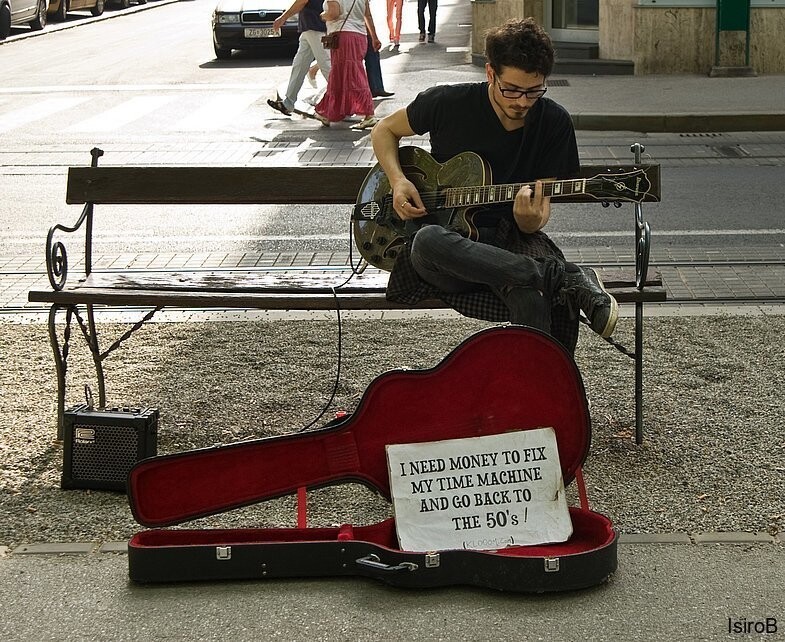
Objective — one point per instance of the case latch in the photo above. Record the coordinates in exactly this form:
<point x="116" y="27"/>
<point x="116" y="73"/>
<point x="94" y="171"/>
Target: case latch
<point x="551" y="564"/>
<point x="223" y="552"/>
<point x="432" y="560"/>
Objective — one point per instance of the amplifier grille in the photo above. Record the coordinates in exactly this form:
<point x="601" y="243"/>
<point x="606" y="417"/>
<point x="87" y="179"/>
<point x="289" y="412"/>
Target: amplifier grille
<point x="106" y="453"/>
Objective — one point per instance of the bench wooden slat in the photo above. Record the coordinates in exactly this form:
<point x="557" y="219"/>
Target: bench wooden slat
<point x="250" y="185"/>
<point x="274" y="301"/>
<point x="237" y="289"/>
<point x="284" y="282"/>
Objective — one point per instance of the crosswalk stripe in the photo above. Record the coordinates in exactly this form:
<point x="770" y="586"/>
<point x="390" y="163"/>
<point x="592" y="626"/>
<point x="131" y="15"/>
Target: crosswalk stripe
<point x="121" y="114"/>
<point x="217" y="111"/>
<point x="37" y="111"/>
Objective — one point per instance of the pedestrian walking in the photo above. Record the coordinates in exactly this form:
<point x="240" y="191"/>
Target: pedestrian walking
<point x="432" y="6"/>
<point x="373" y="69"/>
<point x="309" y="48"/>
<point x="348" y="91"/>
<point x="394" y="20"/>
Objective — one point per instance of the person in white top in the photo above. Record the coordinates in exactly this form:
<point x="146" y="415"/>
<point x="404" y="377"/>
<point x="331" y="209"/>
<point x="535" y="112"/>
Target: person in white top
<point x="347" y="87"/>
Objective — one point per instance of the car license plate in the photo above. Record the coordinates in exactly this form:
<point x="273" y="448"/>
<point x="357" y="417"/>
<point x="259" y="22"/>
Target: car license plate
<point x="264" y="32"/>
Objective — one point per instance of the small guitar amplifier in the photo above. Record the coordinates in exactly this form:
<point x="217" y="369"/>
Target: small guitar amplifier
<point x="100" y="446"/>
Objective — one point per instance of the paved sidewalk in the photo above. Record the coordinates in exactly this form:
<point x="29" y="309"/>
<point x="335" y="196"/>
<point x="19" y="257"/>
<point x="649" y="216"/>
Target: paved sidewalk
<point x="661" y="592"/>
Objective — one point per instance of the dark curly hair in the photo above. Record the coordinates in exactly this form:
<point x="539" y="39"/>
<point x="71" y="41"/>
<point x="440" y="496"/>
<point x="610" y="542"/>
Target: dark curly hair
<point x="522" y="44"/>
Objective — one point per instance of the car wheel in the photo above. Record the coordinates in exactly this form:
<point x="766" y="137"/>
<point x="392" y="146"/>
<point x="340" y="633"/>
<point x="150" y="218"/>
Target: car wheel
<point x="222" y="53"/>
<point x="98" y="9"/>
<point x="39" y="22"/>
<point x="124" y="4"/>
<point x="62" y="11"/>
<point x="5" y="21"/>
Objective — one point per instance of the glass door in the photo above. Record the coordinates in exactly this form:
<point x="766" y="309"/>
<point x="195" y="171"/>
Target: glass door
<point x="573" y="20"/>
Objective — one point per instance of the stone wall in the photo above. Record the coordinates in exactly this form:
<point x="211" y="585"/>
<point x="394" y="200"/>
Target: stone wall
<point x="659" y="40"/>
<point x="667" y="40"/>
<point x="490" y="13"/>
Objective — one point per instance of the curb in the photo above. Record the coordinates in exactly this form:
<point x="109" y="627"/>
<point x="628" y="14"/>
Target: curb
<point x="60" y="26"/>
<point x="675" y="123"/>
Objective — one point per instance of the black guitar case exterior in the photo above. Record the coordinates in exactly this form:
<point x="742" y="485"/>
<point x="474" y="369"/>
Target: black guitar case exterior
<point x="495" y="381"/>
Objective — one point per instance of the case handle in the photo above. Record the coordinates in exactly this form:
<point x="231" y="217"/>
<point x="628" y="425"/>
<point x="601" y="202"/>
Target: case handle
<point x="373" y="561"/>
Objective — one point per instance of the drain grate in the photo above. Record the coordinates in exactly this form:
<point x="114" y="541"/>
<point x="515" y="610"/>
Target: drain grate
<point x="702" y="135"/>
<point x="558" y="82"/>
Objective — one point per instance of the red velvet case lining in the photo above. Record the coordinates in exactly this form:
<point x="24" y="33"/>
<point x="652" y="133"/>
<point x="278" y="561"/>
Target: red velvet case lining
<point x="498" y="380"/>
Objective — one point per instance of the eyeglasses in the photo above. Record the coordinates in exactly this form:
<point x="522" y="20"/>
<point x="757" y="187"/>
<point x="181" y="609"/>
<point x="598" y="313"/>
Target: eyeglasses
<point x="530" y="94"/>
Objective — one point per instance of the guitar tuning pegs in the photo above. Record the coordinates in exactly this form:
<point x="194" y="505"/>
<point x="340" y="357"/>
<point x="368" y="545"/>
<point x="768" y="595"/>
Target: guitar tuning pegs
<point x="617" y="204"/>
<point x="606" y="204"/>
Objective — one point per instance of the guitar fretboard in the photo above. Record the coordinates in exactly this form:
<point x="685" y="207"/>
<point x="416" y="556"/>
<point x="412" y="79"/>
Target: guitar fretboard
<point x="485" y="194"/>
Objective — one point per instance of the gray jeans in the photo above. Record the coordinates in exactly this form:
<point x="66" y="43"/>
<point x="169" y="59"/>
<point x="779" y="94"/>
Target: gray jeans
<point x="456" y="264"/>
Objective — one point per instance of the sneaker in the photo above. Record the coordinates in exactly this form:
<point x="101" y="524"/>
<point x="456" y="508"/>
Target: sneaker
<point x="422" y="37"/>
<point x="365" y="123"/>
<point x="600" y="308"/>
<point x="278" y="105"/>
<point x="431" y="37"/>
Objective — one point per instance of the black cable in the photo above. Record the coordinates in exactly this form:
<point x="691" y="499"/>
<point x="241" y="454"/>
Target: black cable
<point x="339" y="349"/>
<point x="338" y="368"/>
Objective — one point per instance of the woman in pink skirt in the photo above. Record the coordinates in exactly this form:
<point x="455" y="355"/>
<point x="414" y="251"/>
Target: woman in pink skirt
<point x="347" y="86"/>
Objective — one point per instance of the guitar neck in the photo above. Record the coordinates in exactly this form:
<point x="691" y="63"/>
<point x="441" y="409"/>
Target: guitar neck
<point x="488" y="194"/>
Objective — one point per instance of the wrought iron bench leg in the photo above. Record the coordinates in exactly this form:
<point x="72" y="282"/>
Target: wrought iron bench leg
<point x="639" y="372"/>
<point x="61" y="358"/>
<point x="61" y="352"/>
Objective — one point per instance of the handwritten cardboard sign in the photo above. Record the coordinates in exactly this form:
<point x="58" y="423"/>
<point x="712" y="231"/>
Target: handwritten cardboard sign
<point x="481" y="493"/>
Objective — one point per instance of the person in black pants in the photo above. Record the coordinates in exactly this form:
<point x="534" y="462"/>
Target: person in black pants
<point x="432" y="5"/>
<point x="373" y="69"/>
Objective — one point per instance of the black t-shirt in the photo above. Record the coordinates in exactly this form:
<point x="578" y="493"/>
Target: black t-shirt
<point x="461" y="118"/>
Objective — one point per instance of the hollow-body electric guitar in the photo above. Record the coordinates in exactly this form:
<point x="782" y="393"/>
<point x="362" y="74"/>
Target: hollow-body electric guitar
<point x="454" y="191"/>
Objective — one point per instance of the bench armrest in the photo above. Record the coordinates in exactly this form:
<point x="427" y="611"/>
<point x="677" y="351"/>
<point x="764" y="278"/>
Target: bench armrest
<point x="56" y="254"/>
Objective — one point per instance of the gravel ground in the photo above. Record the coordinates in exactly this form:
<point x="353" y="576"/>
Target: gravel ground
<point x="712" y="458"/>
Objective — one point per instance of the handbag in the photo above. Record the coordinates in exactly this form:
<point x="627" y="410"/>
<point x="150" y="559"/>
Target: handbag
<point x="331" y="40"/>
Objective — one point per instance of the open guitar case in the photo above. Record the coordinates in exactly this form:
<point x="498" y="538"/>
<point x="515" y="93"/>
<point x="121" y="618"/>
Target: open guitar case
<point x="497" y="380"/>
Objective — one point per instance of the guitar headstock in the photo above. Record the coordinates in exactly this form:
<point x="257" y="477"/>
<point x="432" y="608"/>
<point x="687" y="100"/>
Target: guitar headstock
<point x="631" y="186"/>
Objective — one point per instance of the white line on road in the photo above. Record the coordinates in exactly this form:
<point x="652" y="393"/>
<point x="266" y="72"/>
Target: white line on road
<point x="215" y="112"/>
<point x="37" y="111"/>
<point x="95" y="88"/>
<point x="120" y="115"/>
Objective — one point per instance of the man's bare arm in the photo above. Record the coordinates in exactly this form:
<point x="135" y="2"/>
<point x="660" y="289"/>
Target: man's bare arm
<point x="386" y="136"/>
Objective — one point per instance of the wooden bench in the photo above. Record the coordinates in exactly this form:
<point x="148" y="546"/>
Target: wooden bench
<point x="237" y="288"/>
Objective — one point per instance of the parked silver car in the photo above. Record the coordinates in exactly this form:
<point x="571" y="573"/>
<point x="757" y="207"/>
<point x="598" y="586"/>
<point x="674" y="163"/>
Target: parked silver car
<point x="248" y="24"/>
<point x="22" y="12"/>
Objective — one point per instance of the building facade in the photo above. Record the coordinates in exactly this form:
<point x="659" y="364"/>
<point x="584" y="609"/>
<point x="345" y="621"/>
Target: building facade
<point x="656" y="36"/>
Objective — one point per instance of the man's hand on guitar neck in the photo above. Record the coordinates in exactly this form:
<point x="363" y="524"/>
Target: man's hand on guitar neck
<point x="531" y="210"/>
<point x="406" y="200"/>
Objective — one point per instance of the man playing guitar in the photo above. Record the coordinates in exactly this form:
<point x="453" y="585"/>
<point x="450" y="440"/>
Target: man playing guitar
<point x="513" y="271"/>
